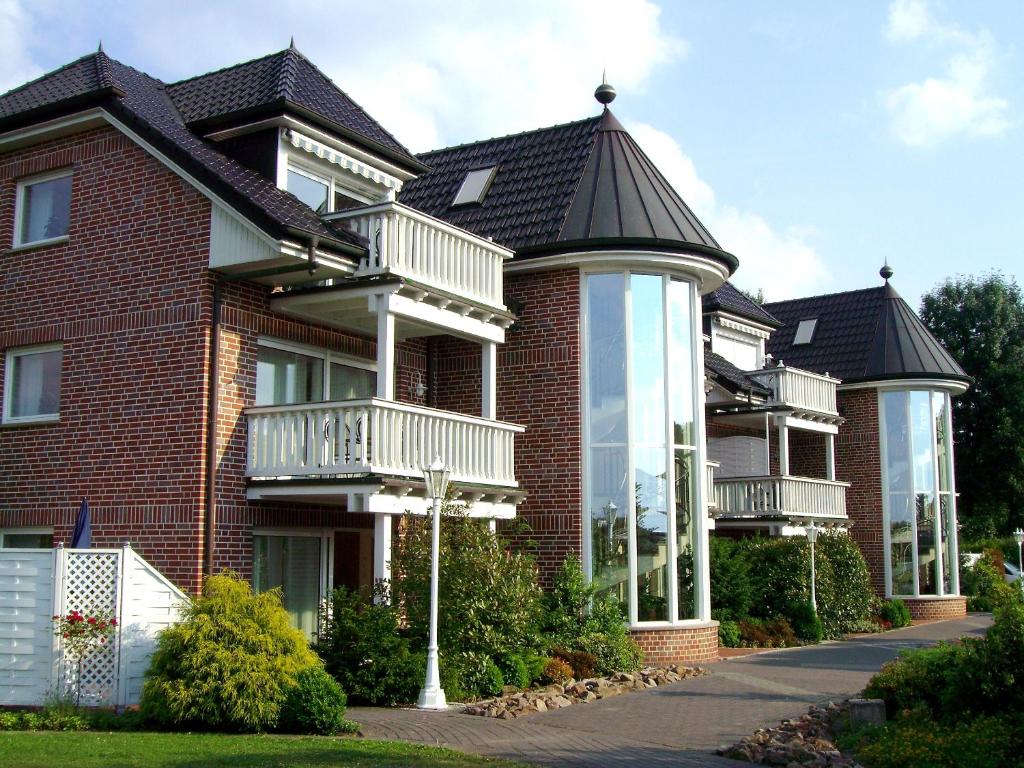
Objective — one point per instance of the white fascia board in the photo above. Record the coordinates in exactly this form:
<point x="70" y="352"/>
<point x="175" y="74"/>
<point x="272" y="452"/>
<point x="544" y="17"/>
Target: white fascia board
<point x="445" y="320"/>
<point x="794" y="422"/>
<point x="706" y="272"/>
<point x="944" y="385"/>
<point x="52" y="129"/>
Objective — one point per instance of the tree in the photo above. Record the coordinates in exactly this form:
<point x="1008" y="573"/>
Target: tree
<point x="980" y="320"/>
<point x="755" y="296"/>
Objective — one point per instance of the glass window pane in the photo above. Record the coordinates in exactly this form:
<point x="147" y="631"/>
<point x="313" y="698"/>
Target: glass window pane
<point x="310" y="191"/>
<point x="945" y="527"/>
<point x="608" y="528"/>
<point x="900" y="492"/>
<point x="284" y="378"/>
<point x="681" y="362"/>
<point x="686" y="521"/>
<point x="46" y="209"/>
<point x="606" y="358"/>
<point x="924" y="490"/>
<point x="943" y="447"/>
<point x="351" y="383"/>
<point x="291" y="563"/>
<point x="27" y="540"/>
<point x="35" y="384"/>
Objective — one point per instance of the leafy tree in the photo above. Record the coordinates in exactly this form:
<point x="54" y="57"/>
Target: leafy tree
<point x="755" y="296"/>
<point x="980" y="320"/>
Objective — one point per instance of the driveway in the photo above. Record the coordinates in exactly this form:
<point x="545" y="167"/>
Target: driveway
<point x="676" y="724"/>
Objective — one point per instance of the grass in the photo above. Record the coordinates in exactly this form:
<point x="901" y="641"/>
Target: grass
<point x="46" y="749"/>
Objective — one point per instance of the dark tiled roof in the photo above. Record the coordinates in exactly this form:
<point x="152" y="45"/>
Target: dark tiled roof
<point x="866" y="335"/>
<point x="538" y="172"/>
<point x="267" y="84"/>
<point x="582" y="182"/>
<point x="731" y="377"/>
<point x="730" y="299"/>
<point x="142" y="102"/>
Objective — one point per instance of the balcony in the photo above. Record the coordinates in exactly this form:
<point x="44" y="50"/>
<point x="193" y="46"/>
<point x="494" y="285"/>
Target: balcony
<point x="377" y="437"/>
<point x="781" y="496"/>
<point x="805" y="392"/>
<point x="438" y="256"/>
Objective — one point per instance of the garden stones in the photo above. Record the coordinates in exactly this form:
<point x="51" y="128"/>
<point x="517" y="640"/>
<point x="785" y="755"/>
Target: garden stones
<point x="805" y="741"/>
<point x="514" y="703"/>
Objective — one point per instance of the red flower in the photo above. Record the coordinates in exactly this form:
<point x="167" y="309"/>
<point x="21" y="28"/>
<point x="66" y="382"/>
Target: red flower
<point x="91" y="619"/>
<point x="113" y="622"/>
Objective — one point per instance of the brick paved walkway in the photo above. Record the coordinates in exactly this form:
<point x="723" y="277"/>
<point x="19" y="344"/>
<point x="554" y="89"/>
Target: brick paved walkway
<point x="676" y="724"/>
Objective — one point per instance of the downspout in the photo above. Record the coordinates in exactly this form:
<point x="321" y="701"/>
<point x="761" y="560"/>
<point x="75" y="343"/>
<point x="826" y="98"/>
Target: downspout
<point x="213" y="412"/>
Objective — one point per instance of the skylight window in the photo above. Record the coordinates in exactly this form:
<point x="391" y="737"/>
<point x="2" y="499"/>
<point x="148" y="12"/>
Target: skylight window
<point x="474" y="186"/>
<point x="805" y="331"/>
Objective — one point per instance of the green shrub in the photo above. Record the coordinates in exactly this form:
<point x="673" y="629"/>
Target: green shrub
<point x="109" y="720"/>
<point x="490" y="602"/>
<point x="844" y="592"/>
<point x="731" y="592"/>
<point x="229" y="663"/>
<point x="805" y="622"/>
<point x="315" y="704"/>
<point x="894" y="613"/>
<point x="468" y="676"/>
<point x="514" y="670"/>
<point x="985" y="583"/>
<point x="728" y="634"/>
<point x="557" y="671"/>
<point x="917" y="678"/>
<point x="576" y="619"/>
<point x="364" y="650"/>
<point x="535" y="665"/>
<point x="779" y="573"/>
<point x="10" y="721"/>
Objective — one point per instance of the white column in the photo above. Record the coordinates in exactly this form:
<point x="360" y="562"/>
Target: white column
<point x="830" y="456"/>
<point x="385" y="349"/>
<point x="783" y="448"/>
<point x="381" y="547"/>
<point x="489" y="380"/>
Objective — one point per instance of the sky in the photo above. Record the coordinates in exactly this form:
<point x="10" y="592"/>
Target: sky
<point x="815" y="140"/>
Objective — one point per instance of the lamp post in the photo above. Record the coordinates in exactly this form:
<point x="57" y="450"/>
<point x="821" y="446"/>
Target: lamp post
<point x="432" y="695"/>
<point x="1019" y="536"/>
<point x="812" y="536"/>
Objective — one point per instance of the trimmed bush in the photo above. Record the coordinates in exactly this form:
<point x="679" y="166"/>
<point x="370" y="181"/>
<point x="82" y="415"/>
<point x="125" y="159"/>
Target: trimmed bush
<point x="228" y="665"/>
<point x="731" y="592"/>
<point x="894" y="613"/>
<point x="843" y="584"/>
<point x="515" y="671"/>
<point x="805" y="622"/>
<point x="466" y="676"/>
<point x="364" y="650"/>
<point x="728" y="634"/>
<point x="557" y="671"/>
<point x="916" y="678"/>
<point x="771" y="633"/>
<point x="315" y="704"/>
<point x="582" y="663"/>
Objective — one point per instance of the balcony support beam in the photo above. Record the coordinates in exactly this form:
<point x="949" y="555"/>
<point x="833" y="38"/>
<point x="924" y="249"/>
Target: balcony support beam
<point x="385" y="348"/>
<point x="830" y="456"/>
<point x="381" y="547"/>
<point x="783" y="448"/>
<point x="489" y="380"/>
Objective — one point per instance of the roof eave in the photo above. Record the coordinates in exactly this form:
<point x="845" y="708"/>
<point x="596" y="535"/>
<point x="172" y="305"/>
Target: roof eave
<point x="93" y="98"/>
<point x="626" y="243"/>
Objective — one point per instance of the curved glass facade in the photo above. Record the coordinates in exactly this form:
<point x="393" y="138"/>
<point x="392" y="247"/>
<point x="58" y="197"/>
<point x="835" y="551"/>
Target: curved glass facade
<point x="641" y="438"/>
<point x="919" y="501"/>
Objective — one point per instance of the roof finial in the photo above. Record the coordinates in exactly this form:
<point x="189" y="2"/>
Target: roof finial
<point x="100" y="48"/>
<point x="605" y="94"/>
<point x="886" y="271"/>
<point x="291" y="43"/>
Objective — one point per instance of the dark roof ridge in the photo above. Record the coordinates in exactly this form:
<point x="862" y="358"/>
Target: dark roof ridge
<point x="531" y="131"/>
<point x="823" y="295"/>
<point x="51" y="73"/>
<point x="228" y="68"/>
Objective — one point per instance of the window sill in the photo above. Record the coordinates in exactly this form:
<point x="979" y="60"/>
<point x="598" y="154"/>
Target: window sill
<point x="41" y="421"/>
<point x="39" y="244"/>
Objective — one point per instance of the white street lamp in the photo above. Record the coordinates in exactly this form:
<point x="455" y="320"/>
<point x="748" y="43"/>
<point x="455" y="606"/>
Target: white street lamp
<point x="432" y="695"/>
<point x="1019" y="536"/>
<point x="812" y="536"/>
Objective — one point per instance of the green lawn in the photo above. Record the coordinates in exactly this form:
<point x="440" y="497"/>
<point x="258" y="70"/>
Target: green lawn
<point x="21" y="749"/>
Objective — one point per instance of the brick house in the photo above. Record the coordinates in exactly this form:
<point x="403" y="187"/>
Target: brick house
<point x="240" y="317"/>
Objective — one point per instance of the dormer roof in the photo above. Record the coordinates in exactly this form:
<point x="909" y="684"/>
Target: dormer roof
<point x="581" y="184"/>
<point x="862" y="336"/>
<point x="728" y="298"/>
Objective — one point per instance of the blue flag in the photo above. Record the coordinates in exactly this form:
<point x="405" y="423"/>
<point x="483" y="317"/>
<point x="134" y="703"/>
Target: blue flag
<point x="83" y="528"/>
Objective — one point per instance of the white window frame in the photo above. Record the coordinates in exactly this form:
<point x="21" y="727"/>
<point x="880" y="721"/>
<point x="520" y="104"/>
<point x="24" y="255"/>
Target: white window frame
<point x="13" y="354"/>
<point x="33" y="531"/>
<point x="19" y="207"/>
<point x="322" y="354"/>
<point x="333" y="184"/>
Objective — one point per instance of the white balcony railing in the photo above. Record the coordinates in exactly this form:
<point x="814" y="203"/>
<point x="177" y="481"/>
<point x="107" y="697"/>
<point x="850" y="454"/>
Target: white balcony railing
<point x="789" y="496"/>
<point x="379" y="437"/>
<point x="800" y="389"/>
<point x="406" y="242"/>
<point x="709" y="483"/>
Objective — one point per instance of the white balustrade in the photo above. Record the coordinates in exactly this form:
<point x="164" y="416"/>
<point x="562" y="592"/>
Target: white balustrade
<point x="377" y="436"/>
<point x="406" y="242"/>
<point x="709" y="482"/>
<point x="799" y="496"/>
<point x="800" y="389"/>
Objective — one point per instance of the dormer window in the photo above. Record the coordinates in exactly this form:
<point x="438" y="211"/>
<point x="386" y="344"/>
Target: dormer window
<point x="805" y="331"/>
<point x="474" y="186"/>
<point x="321" y="193"/>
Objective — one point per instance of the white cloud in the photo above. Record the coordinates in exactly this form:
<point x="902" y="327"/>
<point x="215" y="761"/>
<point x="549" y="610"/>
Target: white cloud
<point x="958" y="103"/>
<point x="784" y="264"/>
<point x="16" y="65"/>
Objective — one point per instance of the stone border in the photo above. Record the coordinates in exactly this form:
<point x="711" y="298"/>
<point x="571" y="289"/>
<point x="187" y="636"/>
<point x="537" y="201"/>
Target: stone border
<point x="555" y="696"/>
<point x="808" y="740"/>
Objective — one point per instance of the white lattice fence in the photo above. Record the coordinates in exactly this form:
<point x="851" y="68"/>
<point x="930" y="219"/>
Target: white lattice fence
<point x="35" y="585"/>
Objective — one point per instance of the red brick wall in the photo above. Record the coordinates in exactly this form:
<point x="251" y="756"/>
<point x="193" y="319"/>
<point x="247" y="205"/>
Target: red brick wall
<point x="858" y="461"/>
<point x="686" y="645"/>
<point x="806" y="453"/>
<point x="937" y="609"/>
<point x="457" y="384"/>
<point x="539" y="386"/>
<point x="127" y="296"/>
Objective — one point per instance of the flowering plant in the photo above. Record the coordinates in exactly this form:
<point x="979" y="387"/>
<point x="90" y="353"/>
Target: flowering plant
<point x="81" y="635"/>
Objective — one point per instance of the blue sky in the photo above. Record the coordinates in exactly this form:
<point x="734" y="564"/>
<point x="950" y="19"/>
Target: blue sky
<point x="814" y="139"/>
